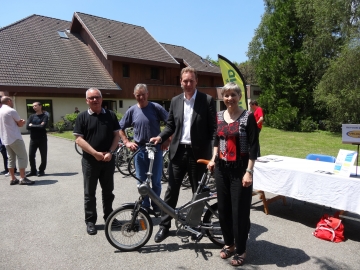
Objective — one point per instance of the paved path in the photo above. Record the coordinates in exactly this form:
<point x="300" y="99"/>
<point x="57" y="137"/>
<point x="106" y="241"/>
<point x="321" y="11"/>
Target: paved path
<point x="42" y="227"/>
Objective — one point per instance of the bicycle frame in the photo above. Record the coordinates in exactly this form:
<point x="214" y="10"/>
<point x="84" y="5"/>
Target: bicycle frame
<point x="189" y="215"/>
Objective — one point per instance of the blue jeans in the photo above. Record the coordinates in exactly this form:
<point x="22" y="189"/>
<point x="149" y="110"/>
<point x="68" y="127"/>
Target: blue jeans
<point x="142" y="163"/>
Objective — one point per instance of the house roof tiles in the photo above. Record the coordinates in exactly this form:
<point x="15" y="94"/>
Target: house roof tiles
<point x="191" y="59"/>
<point x="124" y="40"/>
<point x="33" y="54"/>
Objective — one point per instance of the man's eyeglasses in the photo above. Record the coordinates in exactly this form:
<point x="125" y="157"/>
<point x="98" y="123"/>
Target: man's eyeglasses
<point x="92" y="98"/>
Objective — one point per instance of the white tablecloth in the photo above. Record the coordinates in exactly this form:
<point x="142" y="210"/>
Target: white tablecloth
<point x="297" y="178"/>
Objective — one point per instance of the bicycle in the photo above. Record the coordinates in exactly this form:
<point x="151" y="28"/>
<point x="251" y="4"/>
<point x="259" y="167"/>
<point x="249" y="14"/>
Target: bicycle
<point x="78" y="149"/>
<point x="136" y="225"/>
<point x="165" y="169"/>
<point x="123" y="155"/>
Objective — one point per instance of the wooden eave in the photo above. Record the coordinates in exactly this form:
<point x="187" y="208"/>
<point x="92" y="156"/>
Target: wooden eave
<point x="141" y="61"/>
<point x="56" y="91"/>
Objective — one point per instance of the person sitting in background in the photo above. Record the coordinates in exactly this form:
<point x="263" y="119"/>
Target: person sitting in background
<point x="76" y="110"/>
<point x="235" y="151"/>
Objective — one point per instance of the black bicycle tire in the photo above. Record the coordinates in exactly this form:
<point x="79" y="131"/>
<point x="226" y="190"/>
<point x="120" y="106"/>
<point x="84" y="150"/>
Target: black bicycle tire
<point x="207" y="220"/>
<point x="165" y="168"/>
<point x="109" y="231"/>
<point x="77" y="150"/>
<point x="121" y="162"/>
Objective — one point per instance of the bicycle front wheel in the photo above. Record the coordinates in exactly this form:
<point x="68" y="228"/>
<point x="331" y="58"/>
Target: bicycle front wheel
<point x="122" y="235"/>
<point x="211" y="218"/>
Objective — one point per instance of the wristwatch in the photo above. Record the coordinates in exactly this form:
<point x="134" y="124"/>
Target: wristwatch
<point x="250" y="171"/>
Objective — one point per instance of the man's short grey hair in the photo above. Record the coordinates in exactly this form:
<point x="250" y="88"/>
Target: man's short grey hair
<point x="140" y="86"/>
<point x="93" y="89"/>
<point x="231" y="86"/>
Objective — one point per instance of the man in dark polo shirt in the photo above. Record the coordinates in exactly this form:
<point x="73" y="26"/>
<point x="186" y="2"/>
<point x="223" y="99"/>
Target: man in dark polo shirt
<point x="37" y="124"/>
<point x="97" y="133"/>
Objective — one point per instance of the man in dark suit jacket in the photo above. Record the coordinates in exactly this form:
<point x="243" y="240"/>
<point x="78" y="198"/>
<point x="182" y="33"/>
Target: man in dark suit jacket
<point x="192" y="125"/>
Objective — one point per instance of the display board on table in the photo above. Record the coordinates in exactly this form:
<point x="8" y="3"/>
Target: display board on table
<point x="344" y="162"/>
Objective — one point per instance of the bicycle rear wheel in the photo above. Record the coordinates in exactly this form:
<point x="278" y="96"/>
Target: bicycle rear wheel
<point x="212" y="219"/>
<point x="124" y="237"/>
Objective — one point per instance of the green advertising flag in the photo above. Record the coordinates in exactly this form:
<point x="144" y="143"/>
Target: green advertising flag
<point x="230" y="73"/>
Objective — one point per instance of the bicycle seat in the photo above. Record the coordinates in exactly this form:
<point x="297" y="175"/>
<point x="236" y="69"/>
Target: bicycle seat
<point x="203" y="161"/>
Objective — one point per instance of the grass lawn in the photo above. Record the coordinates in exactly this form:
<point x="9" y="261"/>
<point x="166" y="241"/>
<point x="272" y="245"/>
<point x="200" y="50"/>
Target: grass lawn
<point x="286" y="143"/>
<point x="66" y="135"/>
<point x="300" y="144"/>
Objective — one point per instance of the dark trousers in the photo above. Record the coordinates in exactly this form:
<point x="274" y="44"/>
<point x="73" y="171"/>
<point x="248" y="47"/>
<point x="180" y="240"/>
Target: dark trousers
<point x="258" y="154"/>
<point x="182" y="163"/>
<point x="4" y="154"/>
<point x="94" y="171"/>
<point x="234" y="202"/>
<point x="5" y="158"/>
<point x="40" y="144"/>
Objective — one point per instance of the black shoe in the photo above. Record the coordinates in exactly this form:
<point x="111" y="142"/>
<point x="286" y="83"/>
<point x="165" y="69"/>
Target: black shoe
<point x="161" y="234"/>
<point x="91" y="229"/>
<point x="31" y="174"/>
<point x="41" y="174"/>
<point x="4" y="172"/>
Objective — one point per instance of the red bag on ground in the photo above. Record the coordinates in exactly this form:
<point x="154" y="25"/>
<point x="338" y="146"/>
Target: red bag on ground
<point x="330" y="229"/>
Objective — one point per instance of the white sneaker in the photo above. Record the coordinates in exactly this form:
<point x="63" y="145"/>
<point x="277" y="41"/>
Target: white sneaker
<point x="8" y="174"/>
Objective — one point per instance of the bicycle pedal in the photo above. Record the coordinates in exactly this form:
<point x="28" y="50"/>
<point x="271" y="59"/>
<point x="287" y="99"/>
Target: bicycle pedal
<point x="196" y="238"/>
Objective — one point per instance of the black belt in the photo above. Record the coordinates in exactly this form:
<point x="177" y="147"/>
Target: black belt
<point x="185" y="145"/>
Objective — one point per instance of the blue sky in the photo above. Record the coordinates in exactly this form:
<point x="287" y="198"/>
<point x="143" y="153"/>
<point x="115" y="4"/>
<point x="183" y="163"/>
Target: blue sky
<point x="206" y="27"/>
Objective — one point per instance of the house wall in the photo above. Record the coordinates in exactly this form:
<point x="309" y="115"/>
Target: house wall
<point x="210" y="81"/>
<point x="63" y="106"/>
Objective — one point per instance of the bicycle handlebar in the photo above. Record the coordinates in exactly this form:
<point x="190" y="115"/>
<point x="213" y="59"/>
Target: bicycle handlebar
<point x="203" y="161"/>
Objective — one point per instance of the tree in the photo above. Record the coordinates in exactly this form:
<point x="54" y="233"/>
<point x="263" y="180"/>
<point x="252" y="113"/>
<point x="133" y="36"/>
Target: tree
<point x="339" y="90"/>
<point x="275" y="52"/>
<point x="292" y="49"/>
<point x="248" y="71"/>
<point x="332" y="28"/>
<point x="212" y="61"/>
